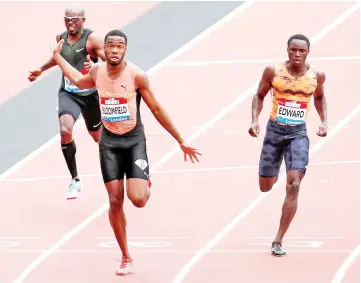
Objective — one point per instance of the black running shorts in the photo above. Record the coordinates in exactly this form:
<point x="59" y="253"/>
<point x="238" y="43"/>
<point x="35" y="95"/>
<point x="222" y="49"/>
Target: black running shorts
<point x="131" y="161"/>
<point x="73" y="105"/>
<point x="290" y="142"/>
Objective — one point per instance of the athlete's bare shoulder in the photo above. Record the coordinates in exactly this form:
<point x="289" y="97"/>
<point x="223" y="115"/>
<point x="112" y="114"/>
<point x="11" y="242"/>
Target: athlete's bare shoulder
<point x="132" y="66"/>
<point x="270" y="69"/>
<point x="137" y="72"/>
<point x="268" y="73"/>
<point x="321" y="76"/>
<point x="95" y="41"/>
<point x="94" y="70"/>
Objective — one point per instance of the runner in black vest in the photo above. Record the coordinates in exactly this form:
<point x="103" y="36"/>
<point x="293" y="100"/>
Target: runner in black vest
<point x="81" y="49"/>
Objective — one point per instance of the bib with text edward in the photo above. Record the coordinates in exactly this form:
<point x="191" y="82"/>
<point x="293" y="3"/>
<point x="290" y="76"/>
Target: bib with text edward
<point x="291" y="112"/>
<point x="114" y="109"/>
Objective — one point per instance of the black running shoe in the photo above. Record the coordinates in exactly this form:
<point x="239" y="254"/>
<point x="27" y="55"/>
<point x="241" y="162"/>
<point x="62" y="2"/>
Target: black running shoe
<point x="277" y="249"/>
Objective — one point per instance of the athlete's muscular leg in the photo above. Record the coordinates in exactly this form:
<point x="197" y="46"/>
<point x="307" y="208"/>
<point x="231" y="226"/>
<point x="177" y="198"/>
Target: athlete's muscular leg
<point x="96" y="135"/>
<point x="296" y="160"/>
<point x="137" y="171"/>
<point x="138" y="191"/>
<point x="290" y="204"/>
<point x="93" y="123"/>
<point x="67" y="122"/>
<point x="117" y="218"/>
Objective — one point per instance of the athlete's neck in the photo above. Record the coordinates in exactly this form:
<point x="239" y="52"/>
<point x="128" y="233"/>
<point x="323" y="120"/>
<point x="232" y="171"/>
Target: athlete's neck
<point x="117" y="68"/>
<point x="297" y="70"/>
<point x="75" y="37"/>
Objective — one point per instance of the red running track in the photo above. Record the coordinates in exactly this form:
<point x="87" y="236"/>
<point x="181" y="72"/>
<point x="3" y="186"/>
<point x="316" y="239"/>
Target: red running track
<point x="182" y="235"/>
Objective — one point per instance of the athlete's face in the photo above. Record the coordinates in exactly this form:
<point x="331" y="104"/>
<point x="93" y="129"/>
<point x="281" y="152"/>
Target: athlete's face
<point x="297" y="52"/>
<point x="114" y="49"/>
<point x="73" y="22"/>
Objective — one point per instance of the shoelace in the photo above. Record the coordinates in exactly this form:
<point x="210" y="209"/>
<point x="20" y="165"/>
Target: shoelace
<point x="124" y="262"/>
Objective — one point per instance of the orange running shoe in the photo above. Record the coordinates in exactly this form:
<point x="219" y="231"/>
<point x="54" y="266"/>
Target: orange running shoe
<point x="126" y="267"/>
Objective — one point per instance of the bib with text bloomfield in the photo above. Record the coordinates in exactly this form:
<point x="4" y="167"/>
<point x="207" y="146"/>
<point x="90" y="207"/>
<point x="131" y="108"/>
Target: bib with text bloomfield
<point x="291" y="112"/>
<point x="114" y="109"/>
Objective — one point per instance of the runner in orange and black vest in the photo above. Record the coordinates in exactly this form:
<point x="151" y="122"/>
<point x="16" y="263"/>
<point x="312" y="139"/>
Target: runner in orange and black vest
<point x="81" y="49"/>
<point x="122" y="149"/>
<point x="293" y="84"/>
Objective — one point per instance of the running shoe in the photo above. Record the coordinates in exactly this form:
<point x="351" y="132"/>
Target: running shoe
<point x="276" y="249"/>
<point x="126" y="267"/>
<point x="74" y="189"/>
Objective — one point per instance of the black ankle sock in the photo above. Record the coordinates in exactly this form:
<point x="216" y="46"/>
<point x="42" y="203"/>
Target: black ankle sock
<point x="69" y="151"/>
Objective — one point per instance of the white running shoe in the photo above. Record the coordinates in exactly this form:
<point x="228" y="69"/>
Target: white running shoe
<point x="126" y="267"/>
<point x="74" y="189"/>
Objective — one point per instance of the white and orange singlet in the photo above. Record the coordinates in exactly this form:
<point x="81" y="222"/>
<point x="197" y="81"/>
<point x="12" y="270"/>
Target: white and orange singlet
<point x="292" y="95"/>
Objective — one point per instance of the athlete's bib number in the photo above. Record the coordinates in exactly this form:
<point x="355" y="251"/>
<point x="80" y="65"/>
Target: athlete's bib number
<point x="291" y="112"/>
<point x="70" y="87"/>
<point x="114" y="109"/>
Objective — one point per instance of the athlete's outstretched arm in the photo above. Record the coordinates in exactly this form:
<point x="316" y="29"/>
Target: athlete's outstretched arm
<point x="320" y="103"/>
<point x="264" y="87"/>
<point x="162" y="117"/>
<point x="49" y="64"/>
<point x="77" y="78"/>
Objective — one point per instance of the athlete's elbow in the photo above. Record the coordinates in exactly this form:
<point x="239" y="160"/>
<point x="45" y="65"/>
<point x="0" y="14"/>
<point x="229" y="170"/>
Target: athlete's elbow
<point x="259" y="96"/>
<point x="79" y="84"/>
<point x="157" y="111"/>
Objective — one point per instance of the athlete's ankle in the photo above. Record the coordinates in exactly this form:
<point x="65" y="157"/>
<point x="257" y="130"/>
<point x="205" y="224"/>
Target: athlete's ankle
<point x="278" y="239"/>
<point x="127" y="256"/>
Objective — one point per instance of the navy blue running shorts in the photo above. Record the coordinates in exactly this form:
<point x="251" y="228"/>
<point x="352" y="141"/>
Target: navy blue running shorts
<point x="290" y="142"/>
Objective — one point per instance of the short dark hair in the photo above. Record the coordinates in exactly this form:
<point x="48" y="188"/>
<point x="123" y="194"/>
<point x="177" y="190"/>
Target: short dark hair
<point x="116" y="32"/>
<point x="300" y="37"/>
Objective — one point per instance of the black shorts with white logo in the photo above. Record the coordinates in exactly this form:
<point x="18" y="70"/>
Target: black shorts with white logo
<point x="130" y="161"/>
<point x="88" y="105"/>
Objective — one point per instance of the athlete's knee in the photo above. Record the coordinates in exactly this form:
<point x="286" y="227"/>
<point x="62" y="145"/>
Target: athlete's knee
<point x="66" y="128"/>
<point x="66" y="131"/>
<point x="266" y="183"/>
<point x="66" y="134"/>
<point x="115" y="202"/>
<point x="293" y="186"/>
<point x="138" y="191"/>
<point x="139" y="198"/>
<point x="95" y="135"/>
<point x="139" y="202"/>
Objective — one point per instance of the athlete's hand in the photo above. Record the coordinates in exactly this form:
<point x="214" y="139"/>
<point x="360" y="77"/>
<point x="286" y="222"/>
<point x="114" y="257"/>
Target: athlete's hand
<point x="322" y="130"/>
<point x="56" y="49"/>
<point x="34" y="74"/>
<point x="190" y="151"/>
<point x="88" y="63"/>
<point x="254" y="129"/>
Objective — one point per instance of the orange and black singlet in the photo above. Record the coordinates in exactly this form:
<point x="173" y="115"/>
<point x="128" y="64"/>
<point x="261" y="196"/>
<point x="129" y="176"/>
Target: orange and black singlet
<point x="120" y="108"/>
<point x="292" y="95"/>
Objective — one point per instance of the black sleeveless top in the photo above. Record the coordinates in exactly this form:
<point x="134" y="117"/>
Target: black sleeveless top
<point x="75" y="55"/>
